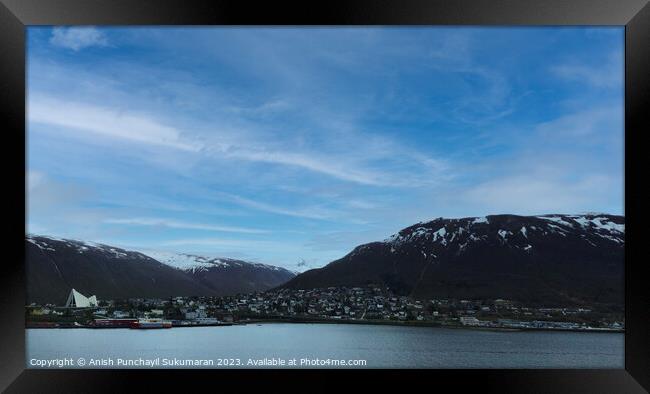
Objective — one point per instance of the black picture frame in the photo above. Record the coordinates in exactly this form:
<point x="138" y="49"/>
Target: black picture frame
<point x="15" y="15"/>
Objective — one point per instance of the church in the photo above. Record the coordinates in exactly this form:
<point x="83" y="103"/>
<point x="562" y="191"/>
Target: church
<point x="78" y="300"/>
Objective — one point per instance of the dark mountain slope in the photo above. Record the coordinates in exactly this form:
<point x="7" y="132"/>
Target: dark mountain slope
<point x="226" y="276"/>
<point x="54" y="266"/>
<point x="551" y="259"/>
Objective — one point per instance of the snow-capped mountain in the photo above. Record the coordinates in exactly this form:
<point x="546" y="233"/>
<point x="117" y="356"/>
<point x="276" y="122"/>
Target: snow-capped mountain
<point x="537" y="259"/>
<point x="55" y="265"/>
<point x="193" y="263"/>
<point x="81" y="247"/>
<point x="458" y="235"/>
<point x="224" y="275"/>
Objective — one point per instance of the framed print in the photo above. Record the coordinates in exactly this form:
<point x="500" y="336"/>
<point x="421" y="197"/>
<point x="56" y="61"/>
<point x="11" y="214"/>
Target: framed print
<point x="424" y="191"/>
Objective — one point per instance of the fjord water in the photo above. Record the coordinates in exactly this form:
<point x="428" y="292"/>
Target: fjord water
<point x="381" y="346"/>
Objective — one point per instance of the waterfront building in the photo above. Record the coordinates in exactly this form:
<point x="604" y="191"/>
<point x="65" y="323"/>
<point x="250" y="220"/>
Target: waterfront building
<point x="78" y="300"/>
<point x="469" y="321"/>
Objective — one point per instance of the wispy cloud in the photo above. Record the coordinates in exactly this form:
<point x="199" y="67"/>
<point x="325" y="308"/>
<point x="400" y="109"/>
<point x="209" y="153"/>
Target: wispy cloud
<point x="233" y="143"/>
<point x="310" y="213"/>
<point x="598" y="77"/>
<point x="255" y="246"/>
<point x="220" y="242"/>
<point x="109" y="122"/>
<point x="587" y="123"/>
<point x="161" y="222"/>
<point x="607" y="74"/>
<point x="331" y="167"/>
<point x="60" y="207"/>
<point x="77" y="38"/>
<point x="489" y="98"/>
<point x="522" y="194"/>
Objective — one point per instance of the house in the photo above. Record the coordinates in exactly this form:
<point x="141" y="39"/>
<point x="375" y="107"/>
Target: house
<point x="196" y="314"/>
<point x="40" y="311"/>
<point x="469" y="321"/>
<point x="120" y="314"/>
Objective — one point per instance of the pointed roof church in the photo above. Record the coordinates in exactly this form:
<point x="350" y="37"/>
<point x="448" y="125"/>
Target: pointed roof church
<point x="78" y="300"/>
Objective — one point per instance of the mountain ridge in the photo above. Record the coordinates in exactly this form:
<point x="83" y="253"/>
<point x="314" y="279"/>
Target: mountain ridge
<point x="552" y="259"/>
<point x="55" y="265"/>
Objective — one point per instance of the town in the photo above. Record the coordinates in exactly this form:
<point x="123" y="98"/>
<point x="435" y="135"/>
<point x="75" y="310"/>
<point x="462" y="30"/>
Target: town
<point x="365" y="305"/>
<point x="361" y="305"/>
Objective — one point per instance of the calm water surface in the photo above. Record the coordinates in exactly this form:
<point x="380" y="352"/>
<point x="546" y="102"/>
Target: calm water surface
<point x="380" y="346"/>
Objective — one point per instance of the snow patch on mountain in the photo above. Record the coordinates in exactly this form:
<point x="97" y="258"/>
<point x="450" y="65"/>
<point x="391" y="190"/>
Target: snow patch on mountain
<point x="462" y="233"/>
<point x="50" y="243"/>
<point x="599" y="222"/>
<point x="440" y="234"/>
<point x="558" y="229"/>
<point x="195" y="263"/>
<point x="504" y="234"/>
<point x="181" y="261"/>
<point x="617" y="240"/>
<point x="606" y="224"/>
<point x="41" y="245"/>
<point x="556" y="219"/>
<point x="392" y="238"/>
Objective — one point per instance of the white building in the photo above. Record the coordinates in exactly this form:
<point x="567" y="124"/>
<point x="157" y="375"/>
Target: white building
<point x="78" y="300"/>
<point x="469" y="321"/>
<point x="156" y="312"/>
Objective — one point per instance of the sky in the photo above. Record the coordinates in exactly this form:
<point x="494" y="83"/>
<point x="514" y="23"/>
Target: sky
<point x="291" y="146"/>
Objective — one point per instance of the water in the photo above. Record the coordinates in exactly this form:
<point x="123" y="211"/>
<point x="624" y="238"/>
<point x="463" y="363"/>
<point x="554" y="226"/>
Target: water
<point x="379" y="346"/>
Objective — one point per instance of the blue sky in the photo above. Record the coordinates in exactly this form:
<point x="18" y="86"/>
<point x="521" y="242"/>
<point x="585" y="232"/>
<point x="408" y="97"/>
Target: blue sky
<point x="290" y="145"/>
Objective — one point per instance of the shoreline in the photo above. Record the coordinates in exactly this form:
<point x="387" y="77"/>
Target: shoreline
<point x="361" y="322"/>
<point x="426" y="324"/>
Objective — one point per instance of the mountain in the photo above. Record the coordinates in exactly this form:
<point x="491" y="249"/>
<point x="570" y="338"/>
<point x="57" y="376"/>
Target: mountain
<point x="225" y="276"/>
<point x="540" y="260"/>
<point x="54" y="266"/>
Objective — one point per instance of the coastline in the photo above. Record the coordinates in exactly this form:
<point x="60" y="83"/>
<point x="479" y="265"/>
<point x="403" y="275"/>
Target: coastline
<point x="361" y="322"/>
<point x="424" y="324"/>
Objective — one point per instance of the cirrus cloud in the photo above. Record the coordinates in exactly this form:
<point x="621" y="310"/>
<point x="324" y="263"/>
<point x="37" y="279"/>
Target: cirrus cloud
<point x="77" y="38"/>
